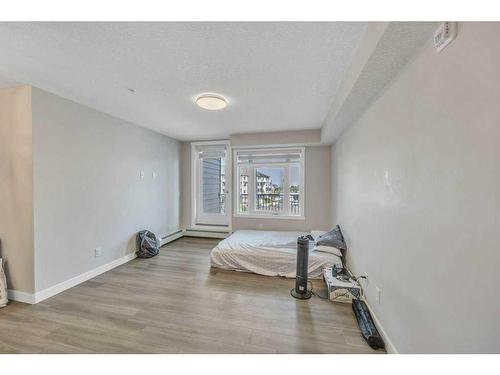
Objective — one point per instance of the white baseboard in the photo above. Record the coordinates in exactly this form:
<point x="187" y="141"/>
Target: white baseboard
<point x="58" y="288"/>
<point x="389" y="346"/>
<point x="16" y="295"/>
<point x="33" y="298"/>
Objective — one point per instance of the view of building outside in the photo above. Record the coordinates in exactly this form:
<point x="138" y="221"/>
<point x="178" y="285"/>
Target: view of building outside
<point x="213" y="185"/>
<point x="222" y="193"/>
<point x="269" y="184"/>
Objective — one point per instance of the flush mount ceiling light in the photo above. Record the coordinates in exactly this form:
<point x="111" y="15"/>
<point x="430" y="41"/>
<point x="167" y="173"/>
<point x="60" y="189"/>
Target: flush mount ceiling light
<point x="211" y="101"/>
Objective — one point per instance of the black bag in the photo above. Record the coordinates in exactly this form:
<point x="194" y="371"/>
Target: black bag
<point x="147" y="244"/>
<point x="366" y="325"/>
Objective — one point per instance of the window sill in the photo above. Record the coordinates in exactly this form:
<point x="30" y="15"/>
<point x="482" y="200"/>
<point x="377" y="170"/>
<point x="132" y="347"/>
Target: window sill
<point x="266" y="217"/>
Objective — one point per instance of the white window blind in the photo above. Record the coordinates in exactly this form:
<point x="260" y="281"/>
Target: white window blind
<point x="208" y="152"/>
<point x="283" y="156"/>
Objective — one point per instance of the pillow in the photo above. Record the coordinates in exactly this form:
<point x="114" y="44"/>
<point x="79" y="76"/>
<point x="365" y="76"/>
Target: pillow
<point x="329" y="250"/>
<point x="332" y="238"/>
<point x="317" y="233"/>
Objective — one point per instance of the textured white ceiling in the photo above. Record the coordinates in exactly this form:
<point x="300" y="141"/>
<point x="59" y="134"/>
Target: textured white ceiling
<point x="395" y="48"/>
<point x="277" y="76"/>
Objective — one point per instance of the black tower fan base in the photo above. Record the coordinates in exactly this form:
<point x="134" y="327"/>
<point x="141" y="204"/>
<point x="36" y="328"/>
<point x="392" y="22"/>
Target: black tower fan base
<point x="308" y="294"/>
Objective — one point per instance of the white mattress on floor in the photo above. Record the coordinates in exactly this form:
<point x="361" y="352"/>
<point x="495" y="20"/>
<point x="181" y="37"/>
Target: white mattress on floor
<point x="267" y="253"/>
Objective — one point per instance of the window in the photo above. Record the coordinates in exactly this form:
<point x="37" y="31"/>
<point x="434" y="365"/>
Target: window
<point x="270" y="182"/>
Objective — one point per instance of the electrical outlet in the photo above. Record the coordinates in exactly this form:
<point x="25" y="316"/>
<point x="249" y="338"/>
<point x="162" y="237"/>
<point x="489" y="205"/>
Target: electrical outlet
<point x="98" y="252"/>
<point x="142" y="175"/>
<point x="379" y="294"/>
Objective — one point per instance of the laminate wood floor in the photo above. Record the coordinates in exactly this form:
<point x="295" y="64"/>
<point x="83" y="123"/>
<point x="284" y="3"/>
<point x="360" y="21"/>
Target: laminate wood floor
<point x="175" y="303"/>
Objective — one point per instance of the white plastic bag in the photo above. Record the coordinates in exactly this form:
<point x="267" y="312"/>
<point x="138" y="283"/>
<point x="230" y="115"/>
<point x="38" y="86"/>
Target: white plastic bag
<point x="3" y="286"/>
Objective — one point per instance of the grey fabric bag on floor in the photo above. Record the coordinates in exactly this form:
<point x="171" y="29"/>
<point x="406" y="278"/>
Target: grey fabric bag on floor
<point x="3" y="286"/>
<point x="148" y="245"/>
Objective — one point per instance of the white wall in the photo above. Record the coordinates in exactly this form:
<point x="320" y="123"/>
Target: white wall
<point x="87" y="187"/>
<point x="16" y="187"/>
<point x="416" y="189"/>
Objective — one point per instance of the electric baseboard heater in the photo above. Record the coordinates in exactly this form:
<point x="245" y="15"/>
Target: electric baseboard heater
<point x="300" y="291"/>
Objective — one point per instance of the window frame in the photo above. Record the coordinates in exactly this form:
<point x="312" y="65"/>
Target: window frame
<point x="195" y="186"/>
<point x="251" y="185"/>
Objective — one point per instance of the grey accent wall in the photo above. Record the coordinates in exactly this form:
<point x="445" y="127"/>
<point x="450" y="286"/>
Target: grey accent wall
<point x="88" y="192"/>
<point x="317" y="198"/>
<point x="417" y="192"/>
<point x="16" y="188"/>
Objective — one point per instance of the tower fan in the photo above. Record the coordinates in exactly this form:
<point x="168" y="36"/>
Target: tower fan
<point x="300" y="291"/>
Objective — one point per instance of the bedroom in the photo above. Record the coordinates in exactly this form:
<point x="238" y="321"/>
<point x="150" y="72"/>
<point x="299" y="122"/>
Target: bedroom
<point x="229" y="141"/>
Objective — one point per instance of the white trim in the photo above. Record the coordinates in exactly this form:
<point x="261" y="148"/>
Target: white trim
<point x="279" y="145"/>
<point x="58" y="288"/>
<point x="270" y="216"/>
<point x="16" y="295"/>
<point x="211" y="143"/>
<point x="389" y="346"/>
<point x="194" y="179"/>
<point x="193" y="183"/>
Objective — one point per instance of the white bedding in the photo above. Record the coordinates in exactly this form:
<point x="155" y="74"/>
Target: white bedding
<point x="267" y="253"/>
